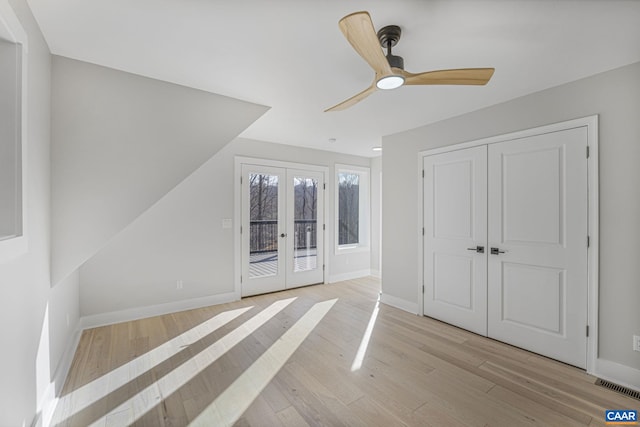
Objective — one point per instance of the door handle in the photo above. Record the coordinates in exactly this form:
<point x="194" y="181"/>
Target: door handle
<point x="478" y="249"/>
<point x="496" y="251"/>
<point x="283" y="235"/>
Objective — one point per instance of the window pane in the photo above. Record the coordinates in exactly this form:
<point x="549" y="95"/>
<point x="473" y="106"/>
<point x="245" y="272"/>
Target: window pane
<point x="10" y="143"/>
<point x="348" y="208"/>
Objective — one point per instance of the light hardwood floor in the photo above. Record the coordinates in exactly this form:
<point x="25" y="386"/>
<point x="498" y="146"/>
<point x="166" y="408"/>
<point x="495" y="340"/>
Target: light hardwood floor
<point x="289" y="359"/>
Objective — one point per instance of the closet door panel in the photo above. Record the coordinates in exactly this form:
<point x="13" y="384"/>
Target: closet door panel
<point x="455" y="227"/>
<point x="537" y="204"/>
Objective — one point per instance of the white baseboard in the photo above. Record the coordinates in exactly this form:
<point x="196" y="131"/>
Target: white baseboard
<point x="400" y="303"/>
<point x="102" y="319"/>
<point x="50" y="399"/>
<point x="49" y="404"/>
<point x="64" y="365"/>
<point x="50" y="396"/>
<point x="349" y="276"/>
<point x="617" y="373"/>
<point x="376" y="273"/>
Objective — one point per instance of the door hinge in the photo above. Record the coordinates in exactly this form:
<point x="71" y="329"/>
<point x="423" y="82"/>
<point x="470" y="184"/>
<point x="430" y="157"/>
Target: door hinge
<point x="423" y="173"/>
<point x="587" y="151"/>
<point x="323" y="227"/>
<point x="240" y="179"/>
<point x="322" y="267"/>
<point x="423" y="289"/>
<point x="588" y="241"/>
<point x="423" y="231"/>
<point x="240" y="229"/>
<point x="587" y="330"/>
<point x="241" y="278"/>
<point x="324" y="185"/>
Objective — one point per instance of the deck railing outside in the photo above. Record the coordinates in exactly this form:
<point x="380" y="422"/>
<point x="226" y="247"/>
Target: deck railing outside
<point x="263" y="236"/>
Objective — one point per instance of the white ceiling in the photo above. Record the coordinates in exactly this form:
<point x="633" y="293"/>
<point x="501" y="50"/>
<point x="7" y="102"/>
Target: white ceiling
<point x="291" y="56"/>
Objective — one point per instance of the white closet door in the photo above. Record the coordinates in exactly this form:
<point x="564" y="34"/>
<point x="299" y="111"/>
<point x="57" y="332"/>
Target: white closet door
<point x="537" y="204"/>
<point x="455" y="221"/>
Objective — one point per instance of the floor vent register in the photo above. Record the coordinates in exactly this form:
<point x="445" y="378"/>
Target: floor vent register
<point x="618" y="388"/>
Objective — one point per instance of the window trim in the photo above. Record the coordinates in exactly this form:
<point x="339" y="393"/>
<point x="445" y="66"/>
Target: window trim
<point x="12" y="246"/>
<point x="364" y="205"/>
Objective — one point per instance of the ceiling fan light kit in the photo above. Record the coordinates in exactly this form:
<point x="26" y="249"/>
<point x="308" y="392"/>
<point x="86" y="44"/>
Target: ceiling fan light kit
<point x="389" y="69"/>
<point x="390" y="82"/>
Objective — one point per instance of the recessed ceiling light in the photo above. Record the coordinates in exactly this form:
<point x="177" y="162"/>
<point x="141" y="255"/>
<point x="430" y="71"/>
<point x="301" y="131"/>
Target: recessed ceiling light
<point x="377" y="148"/>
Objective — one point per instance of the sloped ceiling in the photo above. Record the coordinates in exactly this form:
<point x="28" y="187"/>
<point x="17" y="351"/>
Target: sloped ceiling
<point x="120" y="143"/>
<point x="291" y="56"/>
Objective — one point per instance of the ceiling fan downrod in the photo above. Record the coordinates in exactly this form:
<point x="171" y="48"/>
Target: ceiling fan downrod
<point x="389" y="37"/>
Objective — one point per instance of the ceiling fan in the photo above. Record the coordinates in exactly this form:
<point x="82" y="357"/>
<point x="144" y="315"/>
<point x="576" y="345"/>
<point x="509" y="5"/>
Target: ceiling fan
<point x="390" y="74"/>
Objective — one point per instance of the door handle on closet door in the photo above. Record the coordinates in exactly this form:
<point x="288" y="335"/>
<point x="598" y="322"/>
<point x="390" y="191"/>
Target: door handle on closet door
<point x="496" y="251"/>
<point x="479" y="249"/>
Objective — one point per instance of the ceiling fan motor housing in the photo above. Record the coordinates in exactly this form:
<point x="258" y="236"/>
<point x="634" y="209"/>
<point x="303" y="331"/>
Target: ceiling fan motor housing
<point x="395" y="61"/>
<point x="389" y="37"/>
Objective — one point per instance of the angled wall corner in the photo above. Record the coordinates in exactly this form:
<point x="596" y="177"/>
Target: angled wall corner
<point x="179" y="238"/>
<point x="181" y="253"/>
<point x="120" y="142"/>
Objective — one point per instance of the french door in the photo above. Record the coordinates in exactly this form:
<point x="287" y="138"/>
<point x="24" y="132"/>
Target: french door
<point x="282" y="228"/>
<point x="506" y="242"/>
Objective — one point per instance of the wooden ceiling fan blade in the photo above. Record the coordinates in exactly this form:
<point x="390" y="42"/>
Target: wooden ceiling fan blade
<point x="358" y="30"/>
<point x="462" y="76"/>
<point x="353" y="100"/>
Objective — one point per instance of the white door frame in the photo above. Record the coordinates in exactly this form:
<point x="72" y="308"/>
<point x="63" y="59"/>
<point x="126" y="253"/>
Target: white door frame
<point x="591" y="124"/>
<point x="237" y="211"/>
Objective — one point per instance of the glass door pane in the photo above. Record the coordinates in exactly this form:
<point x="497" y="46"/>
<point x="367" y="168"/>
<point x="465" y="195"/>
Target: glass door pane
<point x="305" y="197"/>
<point x="263" y="225"/>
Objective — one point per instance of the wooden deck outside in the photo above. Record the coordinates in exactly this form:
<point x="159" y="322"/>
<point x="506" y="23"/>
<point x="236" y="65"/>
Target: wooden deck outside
<point x="266" y="263"/>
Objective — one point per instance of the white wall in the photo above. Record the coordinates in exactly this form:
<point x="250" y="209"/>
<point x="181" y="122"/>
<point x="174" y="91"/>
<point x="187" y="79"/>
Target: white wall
<point x="120" y="143"/>
<point x="615" y="96"/>
<point x="376" y="217"/>
<point x="181" y="238"/>
<point x="37" y="322"/>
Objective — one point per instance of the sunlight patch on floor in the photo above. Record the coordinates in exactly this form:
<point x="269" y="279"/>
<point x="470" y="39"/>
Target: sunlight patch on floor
<point x="366" y="337"/>
<point x="138" y="405"/>
<point x="229" y="406"/>
<point x="97" y="389"/>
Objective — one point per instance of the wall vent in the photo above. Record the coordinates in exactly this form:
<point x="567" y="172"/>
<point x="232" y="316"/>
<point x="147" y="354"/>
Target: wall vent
<point x="618" y="388"/>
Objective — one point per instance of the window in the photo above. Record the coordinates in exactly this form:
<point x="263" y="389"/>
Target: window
<point x="348" y="210"/>
<point x="13" y="51"/>
<point x="10" y="147"/>
<point x="352" y="207"/>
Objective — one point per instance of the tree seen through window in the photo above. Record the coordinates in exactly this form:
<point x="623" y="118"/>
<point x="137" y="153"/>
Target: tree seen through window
<point x="348" y="208"/>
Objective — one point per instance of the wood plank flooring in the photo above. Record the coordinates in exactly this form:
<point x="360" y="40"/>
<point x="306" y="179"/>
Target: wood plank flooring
<point x="286" y="359"/>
